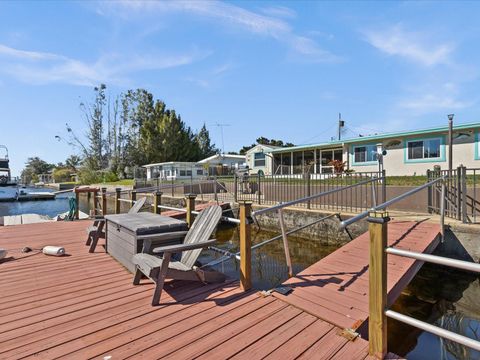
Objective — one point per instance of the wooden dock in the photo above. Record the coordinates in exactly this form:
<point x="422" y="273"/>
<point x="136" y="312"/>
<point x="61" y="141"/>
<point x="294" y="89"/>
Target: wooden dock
<point x="336" y="288"/>
<point x="84" y="305"/>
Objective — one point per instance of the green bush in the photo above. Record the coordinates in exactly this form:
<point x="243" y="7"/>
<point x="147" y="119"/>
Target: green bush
<point x="62" y="175"/>
<point x="87" y="176"/>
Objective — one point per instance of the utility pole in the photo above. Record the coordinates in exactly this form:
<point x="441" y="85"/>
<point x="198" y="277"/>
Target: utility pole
<point x="450" y="143"/>
<point x="341" y="124"/>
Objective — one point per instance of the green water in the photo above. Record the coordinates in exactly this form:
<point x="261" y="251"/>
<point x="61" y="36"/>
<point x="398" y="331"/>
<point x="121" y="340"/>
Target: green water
<point x="269" y="266"/>
<point x="446" y="298"/>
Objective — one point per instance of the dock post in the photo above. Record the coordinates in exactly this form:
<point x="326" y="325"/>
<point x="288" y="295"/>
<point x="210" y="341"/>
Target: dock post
<point x="157" y="200"/>
<point x="133" y="197"/>
<point x="117" y="200"/>
<point x="95" y="194"/>
<point x="77" y="200"/>
<point x="377" y="323"/>
<point x="245" y="245"/>
<point x="104" y="201"/>
<point x="190" y="200"/>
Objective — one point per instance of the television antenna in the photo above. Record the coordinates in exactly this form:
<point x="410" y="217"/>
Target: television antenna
<point x="221" y="126"/>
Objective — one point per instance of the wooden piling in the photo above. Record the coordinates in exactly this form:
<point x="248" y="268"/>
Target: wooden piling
<point x="133" y="197"/>
<point x="157" y="200"/>
<point x="190" y="201"/>
<point x="77" y="201"/>
<point x="377" y="323"/>
<point x="117" y="200"/>
<point x="245" y="246"/>
<point x="104" y="201"/>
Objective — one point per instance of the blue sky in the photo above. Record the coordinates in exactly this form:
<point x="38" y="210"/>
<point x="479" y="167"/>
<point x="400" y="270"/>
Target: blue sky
<point x="275" y="69"/>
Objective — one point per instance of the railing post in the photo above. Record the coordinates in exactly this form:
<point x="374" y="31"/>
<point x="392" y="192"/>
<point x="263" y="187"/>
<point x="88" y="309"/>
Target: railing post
<point x="285" y="242"/>
<point x="245" y="245"/>
<point x="158" y="185"/>
<point x="173" y="184"/>
<point x="77" y="200"/>
<point x="374" y="195"/>
<point x="442" y="210"/>
<point x="157" y="200"/>
<point x="459" y="193"/>
<point x="117" y="200"/>
<point x="133" y="197"/>
<point x="190" y="200"/>
<point x="308" y="191"/>
<point x="104" y="201"/>
<point x="235" y="187"/>
<point x="429" y="194"/>
<point x="215" y="188"/>
<point x="384" y="186"/>
<point x="259" y="196"/>
<point x="464" y="194"/>
<point x="377" y="322"/>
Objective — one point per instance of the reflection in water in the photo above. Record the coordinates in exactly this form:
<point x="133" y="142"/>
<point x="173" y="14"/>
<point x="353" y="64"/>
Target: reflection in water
<point x="446" y="298"/>
<point x="269" y="267"/>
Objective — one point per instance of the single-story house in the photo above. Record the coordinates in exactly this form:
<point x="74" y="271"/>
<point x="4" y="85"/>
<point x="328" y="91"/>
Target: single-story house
<point x="172" y="170"/>
<point x="259" y="159"/>
<point x="222" y="164"/>
<point x="407" y="152"/>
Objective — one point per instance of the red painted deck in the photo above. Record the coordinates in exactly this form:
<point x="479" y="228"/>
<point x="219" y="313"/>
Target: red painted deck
<point x="84" y="306"/>
<point x="335" y="289"/>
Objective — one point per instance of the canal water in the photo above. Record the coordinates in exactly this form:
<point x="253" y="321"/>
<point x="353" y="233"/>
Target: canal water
<point x="41" y="207"/>
<point x="440" y="296"/>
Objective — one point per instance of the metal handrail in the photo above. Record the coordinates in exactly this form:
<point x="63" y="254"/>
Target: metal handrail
<point x="316" y="196"/>
<point x="463" y="340"/>
<point x="458" y="264"/>
<point x="384" y="205"/>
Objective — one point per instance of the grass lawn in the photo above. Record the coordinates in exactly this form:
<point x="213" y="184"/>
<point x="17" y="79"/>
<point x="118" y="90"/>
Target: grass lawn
<point x="120" y="182"/>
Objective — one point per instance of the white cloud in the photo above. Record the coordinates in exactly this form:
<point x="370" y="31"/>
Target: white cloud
<point x="279" y="11"/>
<point x="414" y="46"/>
<point x="428" y="99"/>
<point x="230" y="15"/>
<point x="41" y="68"/>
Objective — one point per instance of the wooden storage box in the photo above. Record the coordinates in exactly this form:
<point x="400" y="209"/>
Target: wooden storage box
<point x="122" y="231"/>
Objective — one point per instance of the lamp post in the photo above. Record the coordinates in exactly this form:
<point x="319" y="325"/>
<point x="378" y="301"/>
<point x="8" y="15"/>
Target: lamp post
<point x="450" y="142"/>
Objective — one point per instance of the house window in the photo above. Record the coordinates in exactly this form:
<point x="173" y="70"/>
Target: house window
<point x="364" y="154"/>
<point x="182" y="172"/>
<point x="424" y="149"/>
<point x="189" y="172"/>
<point x="259" y="159"/>
<point x="199" y="172"/>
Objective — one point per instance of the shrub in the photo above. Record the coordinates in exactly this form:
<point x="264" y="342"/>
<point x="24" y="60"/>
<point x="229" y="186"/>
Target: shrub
<point x="62" y="175"/>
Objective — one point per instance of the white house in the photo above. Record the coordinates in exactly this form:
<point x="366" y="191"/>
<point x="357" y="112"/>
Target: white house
<point x="222" y="164"/>
<point x="259" y="160"/>
<point x="174" y="170"/>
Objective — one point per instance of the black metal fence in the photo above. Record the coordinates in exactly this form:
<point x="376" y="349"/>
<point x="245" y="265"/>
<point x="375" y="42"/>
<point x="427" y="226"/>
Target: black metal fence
<point x="462" y="195"/>
<point x="274" y="189"/>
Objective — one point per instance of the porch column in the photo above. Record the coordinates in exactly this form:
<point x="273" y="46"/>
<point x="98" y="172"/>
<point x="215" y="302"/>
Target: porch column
<point x="291" y="162"/>
<point x="315" y="161"/>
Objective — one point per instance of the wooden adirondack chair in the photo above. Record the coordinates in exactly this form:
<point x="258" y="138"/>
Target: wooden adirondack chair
<point x="97" y="230"/>
<point x="158" y="268"/>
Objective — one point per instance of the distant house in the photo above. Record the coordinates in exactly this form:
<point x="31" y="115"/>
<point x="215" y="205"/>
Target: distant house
<point x="222" y="164"/>
<point x="173" y="170"/>
<point x="259" y="160"/>
<point x="407" y="152"/>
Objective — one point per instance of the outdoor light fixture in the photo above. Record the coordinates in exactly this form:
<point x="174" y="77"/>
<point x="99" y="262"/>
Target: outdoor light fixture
<point x="450" y="117"/>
